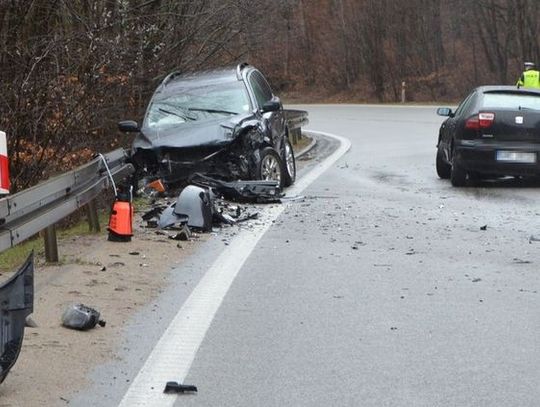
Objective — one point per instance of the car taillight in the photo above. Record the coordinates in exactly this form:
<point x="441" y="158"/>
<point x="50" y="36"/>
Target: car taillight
<point x="480" y="121"/>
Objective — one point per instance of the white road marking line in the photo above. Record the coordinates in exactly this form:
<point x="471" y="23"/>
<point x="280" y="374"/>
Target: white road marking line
<point x="171" y="358"/>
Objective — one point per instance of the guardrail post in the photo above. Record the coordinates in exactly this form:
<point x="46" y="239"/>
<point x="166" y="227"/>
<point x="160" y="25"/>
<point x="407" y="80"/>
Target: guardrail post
<point x="51" y="245"/>
<point x="92" y="215"/>
<point x="294" y="134"/>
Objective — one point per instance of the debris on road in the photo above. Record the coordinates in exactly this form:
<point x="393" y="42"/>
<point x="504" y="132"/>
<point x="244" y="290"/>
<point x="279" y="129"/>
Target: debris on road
<point x="184" y="234"/>
<point x="16" y="304"/>
<point x="517" y="260"/>
<point x="81" y="317"/>
<point x="533" y="238"/>
<point x="483" y="227"/>
<point x="174" y="387"/>
<point x="241" y="191"/>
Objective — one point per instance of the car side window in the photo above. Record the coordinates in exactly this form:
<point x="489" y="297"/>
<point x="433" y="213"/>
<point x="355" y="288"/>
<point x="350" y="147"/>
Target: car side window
<point x="261" y="89"/>
<point x="462" y="107"/>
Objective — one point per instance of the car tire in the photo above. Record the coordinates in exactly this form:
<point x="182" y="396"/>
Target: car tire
<point x="289" y="164"/>
<point x="270" y="166"/>
<point x="443" y="168"/>
<point x="458" y="175"/>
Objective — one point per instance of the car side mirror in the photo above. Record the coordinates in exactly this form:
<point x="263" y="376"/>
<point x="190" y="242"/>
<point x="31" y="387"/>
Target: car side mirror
<point x="128" y="126"/>
<point x="445" y="111"/>
<point x="271" y="106"/>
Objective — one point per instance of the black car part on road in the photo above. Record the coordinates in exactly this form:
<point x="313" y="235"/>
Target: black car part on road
<point x="16" y="304"/>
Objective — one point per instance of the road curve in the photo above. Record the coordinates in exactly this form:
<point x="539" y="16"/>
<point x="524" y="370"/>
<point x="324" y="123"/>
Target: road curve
<point x="381" y="288"/>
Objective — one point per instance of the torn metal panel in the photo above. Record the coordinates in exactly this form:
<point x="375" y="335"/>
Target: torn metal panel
<point x="16" y="304"/>
<point x="242" y="191"/>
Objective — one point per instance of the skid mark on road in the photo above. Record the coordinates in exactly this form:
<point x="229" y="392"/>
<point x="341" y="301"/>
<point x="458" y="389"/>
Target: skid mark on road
<point x="175" y="351"/>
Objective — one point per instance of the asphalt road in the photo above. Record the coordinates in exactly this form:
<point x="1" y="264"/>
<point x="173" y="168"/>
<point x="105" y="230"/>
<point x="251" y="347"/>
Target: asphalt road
<point x="385" y="286"/>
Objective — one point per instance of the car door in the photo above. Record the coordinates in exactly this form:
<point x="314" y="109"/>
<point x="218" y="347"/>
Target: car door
<point x="274" y="122"/>
<point x="448" y="128"/>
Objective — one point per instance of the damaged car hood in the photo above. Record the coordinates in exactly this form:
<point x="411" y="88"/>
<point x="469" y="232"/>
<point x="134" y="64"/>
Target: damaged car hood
<point x="214" y="132"/>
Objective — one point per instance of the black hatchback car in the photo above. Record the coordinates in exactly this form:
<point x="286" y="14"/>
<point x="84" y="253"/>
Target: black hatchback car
<point x="495" y="131"/>
<point x="223" y="123"/>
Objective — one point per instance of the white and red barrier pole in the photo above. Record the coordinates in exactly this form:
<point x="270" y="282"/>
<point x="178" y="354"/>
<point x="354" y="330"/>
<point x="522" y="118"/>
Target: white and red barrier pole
<point x="4" y="165"/>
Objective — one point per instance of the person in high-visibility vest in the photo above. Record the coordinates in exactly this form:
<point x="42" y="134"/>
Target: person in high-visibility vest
<point x="530" y="78"/>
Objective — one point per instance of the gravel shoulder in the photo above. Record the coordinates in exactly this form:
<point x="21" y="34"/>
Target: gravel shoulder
<point x="54" y="361"/>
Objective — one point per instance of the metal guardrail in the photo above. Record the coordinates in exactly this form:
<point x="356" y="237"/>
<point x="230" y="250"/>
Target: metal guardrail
<point x="28" y="212"/>
<point x="296" y="119"/>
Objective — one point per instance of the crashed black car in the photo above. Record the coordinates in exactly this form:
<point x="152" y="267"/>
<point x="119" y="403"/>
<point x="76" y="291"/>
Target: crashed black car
<point x="494" y="132"/>
<point x="223" y="123"/>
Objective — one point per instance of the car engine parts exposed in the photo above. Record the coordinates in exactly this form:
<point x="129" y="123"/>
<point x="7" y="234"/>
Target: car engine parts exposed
<point x="242" y="191"/>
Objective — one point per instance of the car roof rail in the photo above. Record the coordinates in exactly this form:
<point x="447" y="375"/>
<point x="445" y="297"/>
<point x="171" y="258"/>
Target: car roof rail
<point x="239" y="69"/>
<point x="170" y="76"/>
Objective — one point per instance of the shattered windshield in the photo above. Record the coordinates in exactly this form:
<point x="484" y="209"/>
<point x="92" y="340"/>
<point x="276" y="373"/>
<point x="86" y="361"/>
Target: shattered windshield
<point x="192" y="104"/>
<point x="512" y="101"/>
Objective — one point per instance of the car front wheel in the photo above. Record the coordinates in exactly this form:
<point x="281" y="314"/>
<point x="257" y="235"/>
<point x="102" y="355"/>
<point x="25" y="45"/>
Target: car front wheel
<point x="289" y="164"/>
<point x="443" y="168"/>
<point x="270" y="166"/>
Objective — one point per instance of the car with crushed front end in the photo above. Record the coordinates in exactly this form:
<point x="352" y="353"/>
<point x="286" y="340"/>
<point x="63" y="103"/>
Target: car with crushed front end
<point x="494" y="132"/>
<point x="224" y="123"/>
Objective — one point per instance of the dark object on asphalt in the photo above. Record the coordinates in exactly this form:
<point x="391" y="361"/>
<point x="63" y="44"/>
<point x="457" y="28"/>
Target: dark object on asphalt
<point x="225" y="123"/>
<point x="174" y="387"/>
<point x="16" y="304"/>
<point x="241" y="191"/>
<point x="81" y="317"/>
<point x="183" y="235"/>
<point x="494" y="132"/>
<point x="196" y="203"/>
<point x="533" y="238"/>
<point x="483" y="227"/>
<point x="121" y="219"/>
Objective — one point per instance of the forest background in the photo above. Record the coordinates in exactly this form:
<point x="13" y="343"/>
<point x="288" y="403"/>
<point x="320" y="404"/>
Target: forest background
<point x="71" y="69"/>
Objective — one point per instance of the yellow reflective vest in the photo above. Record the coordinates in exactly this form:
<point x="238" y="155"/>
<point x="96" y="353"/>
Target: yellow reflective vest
<point x="529" y="79"/>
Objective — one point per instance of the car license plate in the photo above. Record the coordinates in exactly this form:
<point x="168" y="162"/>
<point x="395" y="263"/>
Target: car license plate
<point x="516" y="157"/>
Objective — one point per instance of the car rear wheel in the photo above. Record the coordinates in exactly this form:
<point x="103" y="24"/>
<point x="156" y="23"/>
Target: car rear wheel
<point x="270" y="166"/>
<point x="458" y="175"/>
<point x="289" y="164"/>
<point x="443" y="168"/>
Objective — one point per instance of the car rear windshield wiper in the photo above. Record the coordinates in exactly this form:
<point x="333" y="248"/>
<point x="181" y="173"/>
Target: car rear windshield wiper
<point x="526" y="108"/>
<point x="200" y="109"/>
<point x="182" y="116"/>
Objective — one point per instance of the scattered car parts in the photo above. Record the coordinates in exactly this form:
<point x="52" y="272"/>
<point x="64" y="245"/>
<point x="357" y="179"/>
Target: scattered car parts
<point x="81" y="317"/>
<point x="16" y="304"/>
<point x="242" y="191"/>
<point x="174" y="387"/>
